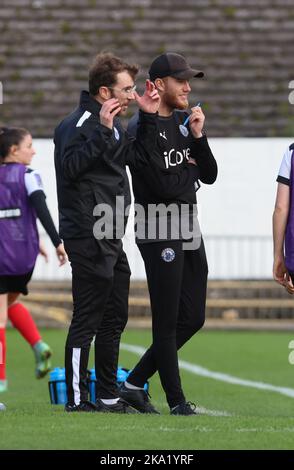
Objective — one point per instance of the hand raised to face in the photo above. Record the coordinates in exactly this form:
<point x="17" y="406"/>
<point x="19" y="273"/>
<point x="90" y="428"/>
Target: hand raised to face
<point x="149" y="102"/>
<point x="109" y="110"/>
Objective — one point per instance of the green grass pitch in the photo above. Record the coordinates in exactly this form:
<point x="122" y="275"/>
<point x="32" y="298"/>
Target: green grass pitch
<point x="232" y="416"/>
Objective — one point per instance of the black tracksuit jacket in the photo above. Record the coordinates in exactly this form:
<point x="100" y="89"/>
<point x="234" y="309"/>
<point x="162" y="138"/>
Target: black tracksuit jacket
<point x="90" y="164"/>
<point x="169" y="178"/>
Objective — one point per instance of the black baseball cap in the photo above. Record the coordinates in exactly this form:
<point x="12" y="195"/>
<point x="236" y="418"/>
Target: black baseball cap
<point x="174" y="65"/>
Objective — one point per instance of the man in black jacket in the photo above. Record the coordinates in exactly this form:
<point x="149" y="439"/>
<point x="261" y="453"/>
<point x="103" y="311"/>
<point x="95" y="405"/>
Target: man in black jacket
<point x="91" y="151"/>
<point x="169" y="238"/>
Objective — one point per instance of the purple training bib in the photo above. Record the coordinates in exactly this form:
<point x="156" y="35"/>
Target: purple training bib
<point x="19" y="239"/>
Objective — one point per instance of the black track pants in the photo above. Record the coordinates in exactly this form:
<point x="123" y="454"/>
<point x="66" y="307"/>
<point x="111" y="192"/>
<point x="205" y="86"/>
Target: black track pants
<point x="100" y="288"/>
<point x="178" y="294"/>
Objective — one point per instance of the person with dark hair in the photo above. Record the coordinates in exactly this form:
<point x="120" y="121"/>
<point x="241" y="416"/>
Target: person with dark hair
<point x="91" y="152"/>
<point x="22" y="201"/>
<point x="175" y="260"/>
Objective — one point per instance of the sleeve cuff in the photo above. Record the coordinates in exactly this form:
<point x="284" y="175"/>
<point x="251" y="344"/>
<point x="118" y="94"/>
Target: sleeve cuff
<point x="103" y="129"/>
<point x="57" y="242"/>
<point x="282" y="179"/>
<point x="200" y="148"/>
<point x="200" y="140"/>
<point x="144" y="115"/>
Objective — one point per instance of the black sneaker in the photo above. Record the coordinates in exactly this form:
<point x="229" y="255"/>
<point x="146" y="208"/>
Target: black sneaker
<point x="138" y="399"/>
<point x="185" y="408"/>
<point x="84" y="406"/>
<point x="120" y="407"/>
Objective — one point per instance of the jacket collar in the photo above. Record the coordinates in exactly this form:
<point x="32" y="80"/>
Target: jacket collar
<point x="88" y="103"/>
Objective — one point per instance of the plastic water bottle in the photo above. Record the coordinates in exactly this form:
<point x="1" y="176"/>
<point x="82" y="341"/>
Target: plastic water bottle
<point x="92" y="385"/>
<point x="52" y="386"/>
<point x="121" y="375"/>
<point x="57" y="386"/>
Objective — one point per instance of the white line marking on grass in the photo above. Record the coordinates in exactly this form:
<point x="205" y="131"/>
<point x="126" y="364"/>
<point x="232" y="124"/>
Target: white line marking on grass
<point x="198" y="370"/>
<point x="195" y="428"/>
<point x="204" y="411"/>
<point x="200" y="410"/>
<point x="154" y="429"/>
<point x="203" y="429"/>
<point x="268" y="429"/>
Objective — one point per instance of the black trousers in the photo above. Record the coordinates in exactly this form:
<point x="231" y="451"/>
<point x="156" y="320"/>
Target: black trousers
<point x="100" y="289"/>
<point x="177" y="282"/>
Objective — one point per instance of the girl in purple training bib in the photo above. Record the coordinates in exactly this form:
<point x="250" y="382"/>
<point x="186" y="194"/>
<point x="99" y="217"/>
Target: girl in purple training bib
<point x="22" y="201"/>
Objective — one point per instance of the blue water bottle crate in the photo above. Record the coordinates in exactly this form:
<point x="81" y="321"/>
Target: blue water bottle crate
<point x="57" y="385"/>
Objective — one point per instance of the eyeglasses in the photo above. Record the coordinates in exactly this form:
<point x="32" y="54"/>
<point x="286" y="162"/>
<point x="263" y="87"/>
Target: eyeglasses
<point x="128" y="90"/>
